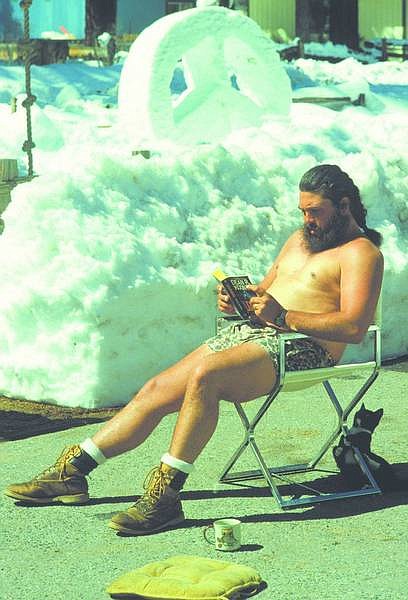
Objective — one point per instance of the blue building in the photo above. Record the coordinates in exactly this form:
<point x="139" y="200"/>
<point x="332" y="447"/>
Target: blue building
<point x="85" y="19"/>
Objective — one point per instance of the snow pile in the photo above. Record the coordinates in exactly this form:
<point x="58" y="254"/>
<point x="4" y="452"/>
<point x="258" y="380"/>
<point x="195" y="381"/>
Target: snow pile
<point x="106" y="258"/>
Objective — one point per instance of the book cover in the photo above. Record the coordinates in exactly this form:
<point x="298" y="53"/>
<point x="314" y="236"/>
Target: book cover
<point x="239" y="295"/>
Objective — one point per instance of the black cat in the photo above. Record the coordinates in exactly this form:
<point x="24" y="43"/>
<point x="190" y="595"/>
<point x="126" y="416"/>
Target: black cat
<point x="359" y="436"/>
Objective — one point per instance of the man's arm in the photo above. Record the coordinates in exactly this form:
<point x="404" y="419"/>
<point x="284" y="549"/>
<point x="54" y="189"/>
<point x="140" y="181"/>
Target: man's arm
<point x="362" y="269"/>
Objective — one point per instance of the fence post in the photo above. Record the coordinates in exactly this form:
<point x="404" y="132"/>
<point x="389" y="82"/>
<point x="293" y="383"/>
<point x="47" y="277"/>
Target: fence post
<point x="8" y="177"/>
<point x="384" y="51"/>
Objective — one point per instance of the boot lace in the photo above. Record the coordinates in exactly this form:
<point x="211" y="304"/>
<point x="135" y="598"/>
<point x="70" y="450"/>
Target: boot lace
<point x="60" y="464"/>
<point x="154" y="486"/>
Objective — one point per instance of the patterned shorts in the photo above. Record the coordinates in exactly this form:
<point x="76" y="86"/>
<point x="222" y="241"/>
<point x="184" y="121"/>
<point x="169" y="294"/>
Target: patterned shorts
<point x="300" y="354"/>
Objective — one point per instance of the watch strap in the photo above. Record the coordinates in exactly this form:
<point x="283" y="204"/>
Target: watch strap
<point x="280" y="319"/>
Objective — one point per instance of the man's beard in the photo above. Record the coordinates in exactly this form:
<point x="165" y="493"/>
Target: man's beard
<point x="330" y="237"/>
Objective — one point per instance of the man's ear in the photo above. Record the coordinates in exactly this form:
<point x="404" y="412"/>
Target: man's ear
<point x="344" y="205"/>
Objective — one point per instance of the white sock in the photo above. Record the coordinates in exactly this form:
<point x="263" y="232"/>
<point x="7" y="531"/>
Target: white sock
<point x="92" y="449"/>
<point x="177" y="463"/>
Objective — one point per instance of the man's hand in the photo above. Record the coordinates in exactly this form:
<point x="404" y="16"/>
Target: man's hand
<point x="264" y="305"/>
<point x="224" y="301"/>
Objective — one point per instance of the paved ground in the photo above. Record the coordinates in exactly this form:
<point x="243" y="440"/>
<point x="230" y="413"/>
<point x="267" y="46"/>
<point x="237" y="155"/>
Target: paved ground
<point x="351" y="550"/>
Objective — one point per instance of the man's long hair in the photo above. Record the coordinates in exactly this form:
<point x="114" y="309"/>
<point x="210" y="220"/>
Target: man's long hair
<point x="334" y="184"/>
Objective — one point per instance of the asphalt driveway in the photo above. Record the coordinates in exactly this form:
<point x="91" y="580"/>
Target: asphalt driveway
<point x="350" y="550"/>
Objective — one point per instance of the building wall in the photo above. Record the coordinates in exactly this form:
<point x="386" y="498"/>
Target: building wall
<point x="405" y="18"/>
<point x="380" y="18"/>
<point x="134" y="15"/>
<point x="405" y="15"/>
<point x="274" y="15"/>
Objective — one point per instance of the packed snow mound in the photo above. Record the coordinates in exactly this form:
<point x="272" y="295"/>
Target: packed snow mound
<point x="106" y="269"/>
<point x="233" y="73"/>
<point x="106" y="259"/>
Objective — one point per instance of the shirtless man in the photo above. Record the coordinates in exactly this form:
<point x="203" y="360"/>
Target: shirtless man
<point x="325" y="283"/>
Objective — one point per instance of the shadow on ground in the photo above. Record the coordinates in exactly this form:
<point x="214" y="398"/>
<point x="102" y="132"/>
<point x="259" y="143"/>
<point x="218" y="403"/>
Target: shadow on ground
<point x="17" y="426"/>
<point x="327" y="510"/>
<point x="20" y="419"/>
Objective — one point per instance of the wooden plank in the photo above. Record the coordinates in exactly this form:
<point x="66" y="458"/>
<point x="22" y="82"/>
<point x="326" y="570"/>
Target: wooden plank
<point x="321" y="100"/>
<point x="393" y="48"/>
<point x="10" y="52"/>
<point x="87" y="52"/>
<point x="8" y="180"/>
<point x="5" y="196"/>
<point x="328" y="100"/>
<point x="42" y="52"/>
<point x="8" y="169"/>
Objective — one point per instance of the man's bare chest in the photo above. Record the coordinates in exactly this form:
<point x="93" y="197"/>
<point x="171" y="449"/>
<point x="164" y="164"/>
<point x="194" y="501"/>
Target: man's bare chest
<point x="320" y="271"/>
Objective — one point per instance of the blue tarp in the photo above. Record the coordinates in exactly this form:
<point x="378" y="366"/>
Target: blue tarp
<point x="45" y="15"/>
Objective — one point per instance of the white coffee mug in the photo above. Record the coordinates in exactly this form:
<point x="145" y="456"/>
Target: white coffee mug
<point x="227" y="534"/>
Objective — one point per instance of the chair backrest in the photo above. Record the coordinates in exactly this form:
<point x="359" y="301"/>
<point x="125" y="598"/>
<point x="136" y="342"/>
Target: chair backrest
<point x="378" y="312"/>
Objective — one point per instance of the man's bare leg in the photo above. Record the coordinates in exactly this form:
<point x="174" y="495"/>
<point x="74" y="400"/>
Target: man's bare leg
<point x="65" y="481"/>
<point x="159" y="397"/>
<point x="238" y="374"/>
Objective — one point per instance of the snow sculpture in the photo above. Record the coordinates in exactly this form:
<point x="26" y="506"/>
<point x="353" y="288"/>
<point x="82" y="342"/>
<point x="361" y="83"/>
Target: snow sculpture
<point x="214" y="44"/>
<point x="204" y="3"/>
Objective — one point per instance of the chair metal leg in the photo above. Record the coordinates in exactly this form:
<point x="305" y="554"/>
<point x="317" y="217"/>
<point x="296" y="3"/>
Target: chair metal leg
<point x="270" y="473"/>
<point x="341" y="414"/>
<point x="225" y="477"/>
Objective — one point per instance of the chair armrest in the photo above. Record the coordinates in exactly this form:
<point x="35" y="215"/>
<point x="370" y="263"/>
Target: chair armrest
<point x="294" y="335"/>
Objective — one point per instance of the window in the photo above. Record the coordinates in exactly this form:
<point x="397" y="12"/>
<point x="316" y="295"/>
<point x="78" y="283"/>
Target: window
<point x="176" y="5"/>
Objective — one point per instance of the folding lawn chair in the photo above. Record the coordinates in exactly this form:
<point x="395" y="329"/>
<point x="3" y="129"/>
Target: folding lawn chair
<point x="290" y="381"/>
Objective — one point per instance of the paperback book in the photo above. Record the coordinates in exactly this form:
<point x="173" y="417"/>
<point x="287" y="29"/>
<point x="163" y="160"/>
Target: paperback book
<point x="239" y="295"/>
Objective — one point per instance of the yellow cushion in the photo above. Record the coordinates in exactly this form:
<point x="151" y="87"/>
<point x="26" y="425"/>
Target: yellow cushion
<point x="187" y="578"/>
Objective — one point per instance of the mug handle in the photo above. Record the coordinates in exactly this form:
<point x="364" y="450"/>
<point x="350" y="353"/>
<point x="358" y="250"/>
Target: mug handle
<point x="205" y="531"/>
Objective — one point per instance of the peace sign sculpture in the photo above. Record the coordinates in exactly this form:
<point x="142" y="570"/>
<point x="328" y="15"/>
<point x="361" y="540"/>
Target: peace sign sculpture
<point x="215" y="46"/>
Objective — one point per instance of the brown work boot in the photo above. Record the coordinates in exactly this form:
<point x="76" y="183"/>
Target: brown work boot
<point x="158" y="508"/>
<point x="62" y="482"/>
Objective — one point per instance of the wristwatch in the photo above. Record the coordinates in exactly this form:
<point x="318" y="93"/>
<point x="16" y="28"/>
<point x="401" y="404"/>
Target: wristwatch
<point x="280" y="319"/>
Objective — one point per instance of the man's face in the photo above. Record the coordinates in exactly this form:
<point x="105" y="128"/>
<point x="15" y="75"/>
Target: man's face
<point x="324" y="225"/>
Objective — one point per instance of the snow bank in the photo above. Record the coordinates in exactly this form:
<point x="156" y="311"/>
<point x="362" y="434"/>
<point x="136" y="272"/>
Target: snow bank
<point x="106" y="259"/>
